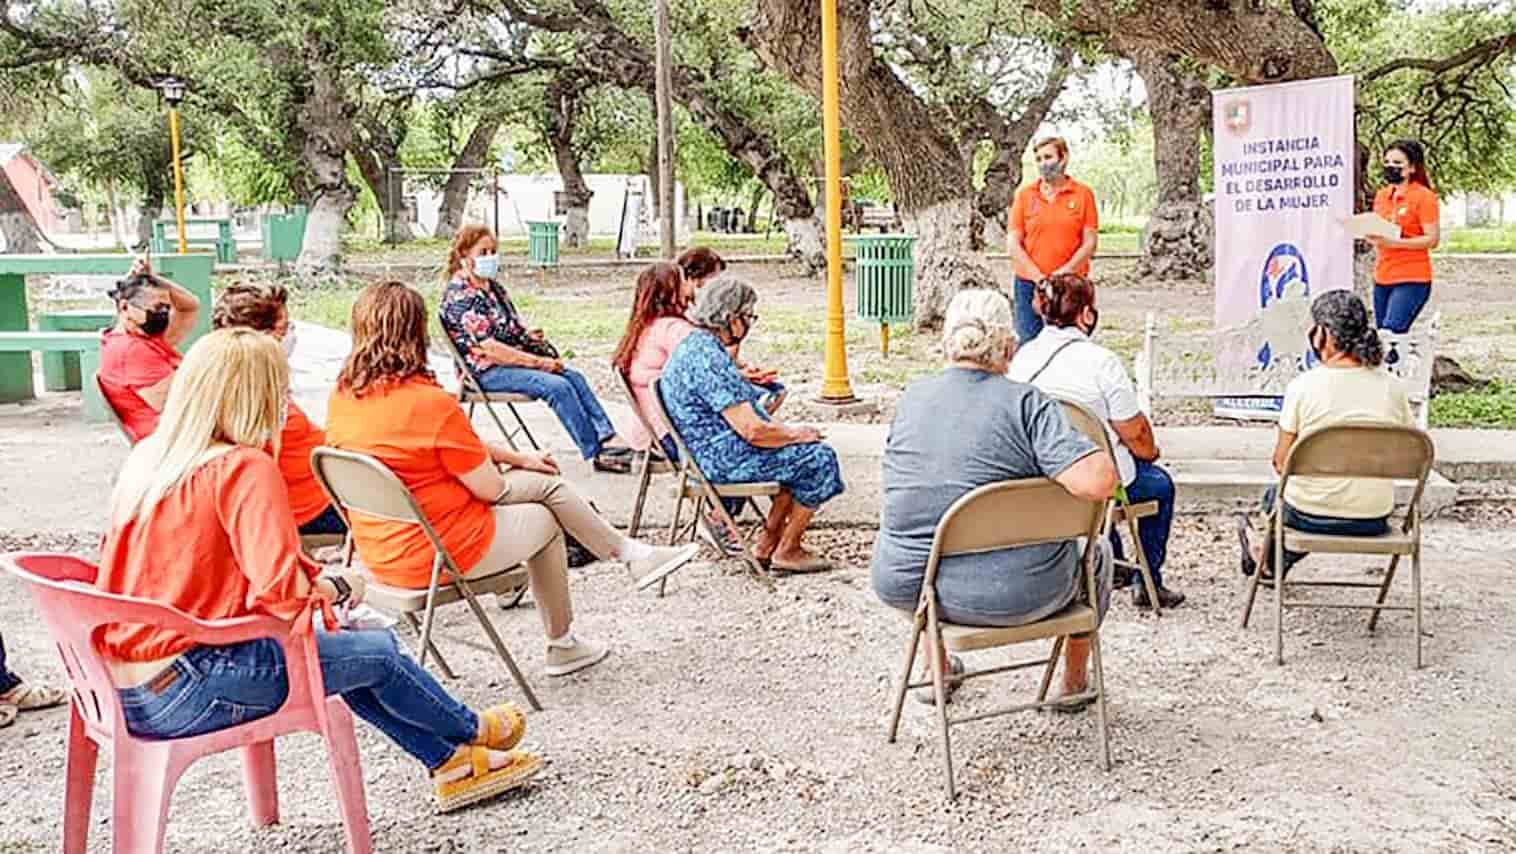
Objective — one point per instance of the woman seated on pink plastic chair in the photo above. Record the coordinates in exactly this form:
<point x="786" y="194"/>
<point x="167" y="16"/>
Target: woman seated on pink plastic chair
<point x="200" y="520"/>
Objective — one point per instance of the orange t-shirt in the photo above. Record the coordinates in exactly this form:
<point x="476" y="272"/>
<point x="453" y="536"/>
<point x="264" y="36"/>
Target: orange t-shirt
<point x="1413" y="210"/>
<point x="423" y="435"/>
<point x="297" y="441"/>
<point x="130" y="362"/>
<point x="1052" y="231"/>
<point x="220" y="544"/>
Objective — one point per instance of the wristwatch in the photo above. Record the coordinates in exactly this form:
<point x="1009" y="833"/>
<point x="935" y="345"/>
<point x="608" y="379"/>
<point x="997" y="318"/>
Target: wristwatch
<point x="344" y="590"/>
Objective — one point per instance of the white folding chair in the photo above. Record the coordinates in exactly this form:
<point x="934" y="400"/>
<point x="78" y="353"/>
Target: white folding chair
<point x="1121" y="510"/>
<point x="359" y="483"/>
<point x="1355" y="450"/>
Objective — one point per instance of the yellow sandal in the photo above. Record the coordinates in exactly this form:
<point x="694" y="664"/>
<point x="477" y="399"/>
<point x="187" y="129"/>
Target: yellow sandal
<point x="501" y="727"/>
<point x="482" y="783"/>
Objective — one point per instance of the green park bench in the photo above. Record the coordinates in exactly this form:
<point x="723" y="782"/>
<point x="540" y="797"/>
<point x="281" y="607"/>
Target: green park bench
<point x="84" y="345"/>
<point x="18" y="341"/>
<point x="166" y="237"/>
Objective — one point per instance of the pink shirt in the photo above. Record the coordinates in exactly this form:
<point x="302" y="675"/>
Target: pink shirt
<point x="654" y="347"/>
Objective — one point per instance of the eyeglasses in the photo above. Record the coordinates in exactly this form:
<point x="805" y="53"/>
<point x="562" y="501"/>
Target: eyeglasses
<point x="750" y="319"/>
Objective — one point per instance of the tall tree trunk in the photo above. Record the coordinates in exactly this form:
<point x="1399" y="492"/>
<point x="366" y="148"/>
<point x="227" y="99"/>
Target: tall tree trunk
<point x="562" y="96"/>
<point x="650" y="167"/>
<point x="1178" y="241"/>
<point x="327" y="116"/>
<point x="927" y="173"/>
<point x="154" y="193"/>
<point x="19" y="233"/>
<point x="455" y="192"/>
<point x="377" y="153"/>
<point x="752" y="211"/>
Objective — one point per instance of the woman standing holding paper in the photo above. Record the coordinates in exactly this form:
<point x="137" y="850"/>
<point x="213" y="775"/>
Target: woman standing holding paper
<point x="1403" y="271"/>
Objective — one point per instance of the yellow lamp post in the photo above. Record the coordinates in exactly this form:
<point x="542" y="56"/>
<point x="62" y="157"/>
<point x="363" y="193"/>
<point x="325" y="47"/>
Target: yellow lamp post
<point x="835" y="387"/>
<point x="173" y="94"/>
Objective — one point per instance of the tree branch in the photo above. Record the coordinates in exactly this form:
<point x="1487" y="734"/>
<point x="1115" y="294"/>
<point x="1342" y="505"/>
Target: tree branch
<point x="1480" y="52"/>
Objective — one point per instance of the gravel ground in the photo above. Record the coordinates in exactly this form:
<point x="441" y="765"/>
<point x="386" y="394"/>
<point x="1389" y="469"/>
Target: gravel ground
<point x="740" y="716"/>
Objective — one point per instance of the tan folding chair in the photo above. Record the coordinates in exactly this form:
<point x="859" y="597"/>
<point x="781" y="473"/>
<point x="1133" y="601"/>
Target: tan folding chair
<point x="360" y="483"/>
<point x="645" y="475"/>
<point x="695" y="487"/>
<point x="1358" y="450"/>
<point x="471" y="393"/>
<point x="1121" y="511"/>
<point x="998" y="516"/>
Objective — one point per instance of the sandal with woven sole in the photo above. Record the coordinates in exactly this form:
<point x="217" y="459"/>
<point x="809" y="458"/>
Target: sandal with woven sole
<point x="482" y="783"/>
<point x="28" y="697"/>
<point x="1068" y="704"/>
<point x="501" y="727"/>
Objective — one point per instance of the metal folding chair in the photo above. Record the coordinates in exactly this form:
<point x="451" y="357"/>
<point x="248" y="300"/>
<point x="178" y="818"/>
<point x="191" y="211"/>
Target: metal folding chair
<point x="358" y="482"/>
<point x="1353" y="450"/>
<point x="1121" y="510"/>
<point x="695" y="487"/>
<point x="471" y="393"/>
<point x="993" y="517"/>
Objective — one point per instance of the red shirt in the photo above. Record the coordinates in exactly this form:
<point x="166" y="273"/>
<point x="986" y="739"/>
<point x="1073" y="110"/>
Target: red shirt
<point x="130" y="362"/>
<point x="1052" y="231"/>
<point x="221" y="544"/>
<point x="1413" y="208"/>
<point x="299" y="438"/>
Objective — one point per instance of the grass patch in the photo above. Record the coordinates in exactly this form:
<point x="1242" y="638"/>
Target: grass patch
<point x="1492" y="408"/>
<point x="1498" y="239"/>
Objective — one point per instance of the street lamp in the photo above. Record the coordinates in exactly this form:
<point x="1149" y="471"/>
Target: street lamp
<point x="172" y="89"/>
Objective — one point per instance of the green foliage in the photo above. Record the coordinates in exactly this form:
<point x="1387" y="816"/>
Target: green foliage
<point x="1494" y="407"/>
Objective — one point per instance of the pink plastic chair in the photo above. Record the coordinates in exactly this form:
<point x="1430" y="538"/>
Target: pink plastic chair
<point x="146" y="771"/>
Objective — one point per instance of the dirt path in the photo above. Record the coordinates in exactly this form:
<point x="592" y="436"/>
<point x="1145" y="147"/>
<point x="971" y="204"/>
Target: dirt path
<point x="733" y="717"/>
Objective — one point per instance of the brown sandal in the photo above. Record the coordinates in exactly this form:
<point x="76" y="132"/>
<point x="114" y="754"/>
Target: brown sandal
<point x="501" y="727"/>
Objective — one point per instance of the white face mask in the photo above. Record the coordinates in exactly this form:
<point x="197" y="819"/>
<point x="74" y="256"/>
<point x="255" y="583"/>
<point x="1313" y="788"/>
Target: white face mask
<point x="288" y="342"/>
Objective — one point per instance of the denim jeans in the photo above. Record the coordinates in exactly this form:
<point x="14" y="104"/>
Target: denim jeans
<point x="1397" y="306"/>
<point x="1313" y="524"/>
<point x="569" y="395"/>
<point x="215" y="687"/>
<point x="1151" y="484"/>
<point x="329" y="522"/>
<point x="1028" y="323"/>
<point x="8" y="680"/>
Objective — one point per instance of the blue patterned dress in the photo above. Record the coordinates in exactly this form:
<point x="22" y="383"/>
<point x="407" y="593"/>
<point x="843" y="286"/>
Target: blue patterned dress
<point x="699" y="381"/>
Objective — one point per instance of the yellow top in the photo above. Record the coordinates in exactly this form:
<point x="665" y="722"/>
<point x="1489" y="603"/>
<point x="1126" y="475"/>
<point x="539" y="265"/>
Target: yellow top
<point x="1326" y="397"/>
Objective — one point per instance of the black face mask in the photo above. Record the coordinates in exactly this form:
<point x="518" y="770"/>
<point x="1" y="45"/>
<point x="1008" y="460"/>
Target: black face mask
<point x="1393" y="174"/>
<point x="1312" y="339"/>
<point x="1094" y="322"/>
<point x="156" y="323"/>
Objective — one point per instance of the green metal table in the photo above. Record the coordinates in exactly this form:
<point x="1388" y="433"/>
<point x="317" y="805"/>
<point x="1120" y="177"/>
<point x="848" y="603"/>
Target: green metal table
<point x="193" y="272"/>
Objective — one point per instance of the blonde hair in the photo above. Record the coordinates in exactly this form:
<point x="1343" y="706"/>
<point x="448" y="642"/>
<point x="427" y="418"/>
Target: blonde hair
<point x="231" y="389"/>
<point x="1059" y="145"/>
<point x="978" y="326"/>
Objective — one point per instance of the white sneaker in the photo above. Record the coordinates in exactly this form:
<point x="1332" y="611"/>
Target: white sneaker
<point x="561" y="661"/>
<point x="660" y="564"/>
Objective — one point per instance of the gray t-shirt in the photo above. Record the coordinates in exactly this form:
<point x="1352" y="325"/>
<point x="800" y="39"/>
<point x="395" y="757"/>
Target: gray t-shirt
<point x="952" y="433"/>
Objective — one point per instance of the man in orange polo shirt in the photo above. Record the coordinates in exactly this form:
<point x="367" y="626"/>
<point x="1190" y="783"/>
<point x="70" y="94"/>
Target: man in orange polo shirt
<point x="1053" y="229"/>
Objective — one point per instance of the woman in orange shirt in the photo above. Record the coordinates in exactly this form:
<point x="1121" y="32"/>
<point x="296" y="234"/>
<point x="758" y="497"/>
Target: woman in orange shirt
<point x="388" y="405"/>
<point x="1052" y="229"/>
<point x="1403" y="270"/>
<point x="263" y="308"/>
<point x="200" y="521"/>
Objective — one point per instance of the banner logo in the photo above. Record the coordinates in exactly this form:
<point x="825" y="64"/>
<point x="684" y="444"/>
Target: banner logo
<point x="1237" y="116"/>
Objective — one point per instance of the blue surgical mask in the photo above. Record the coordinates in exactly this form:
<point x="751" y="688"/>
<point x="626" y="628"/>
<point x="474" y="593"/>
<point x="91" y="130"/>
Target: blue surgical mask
<point x="487" y="266"/>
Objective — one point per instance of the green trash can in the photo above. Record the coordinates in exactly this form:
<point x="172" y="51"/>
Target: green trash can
<point x="284" y="235"/>
<point x="884" y="273"/>
<point x="60" y="371"/>
<point x="542" y="245"/>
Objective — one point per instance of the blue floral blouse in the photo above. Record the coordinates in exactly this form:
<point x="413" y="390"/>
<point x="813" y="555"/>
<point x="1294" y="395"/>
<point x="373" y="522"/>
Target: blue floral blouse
<point x="471" y="315"/>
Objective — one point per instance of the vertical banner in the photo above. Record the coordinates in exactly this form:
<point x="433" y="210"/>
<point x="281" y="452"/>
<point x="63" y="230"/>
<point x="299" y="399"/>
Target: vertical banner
<point x="1283" y="170"/>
